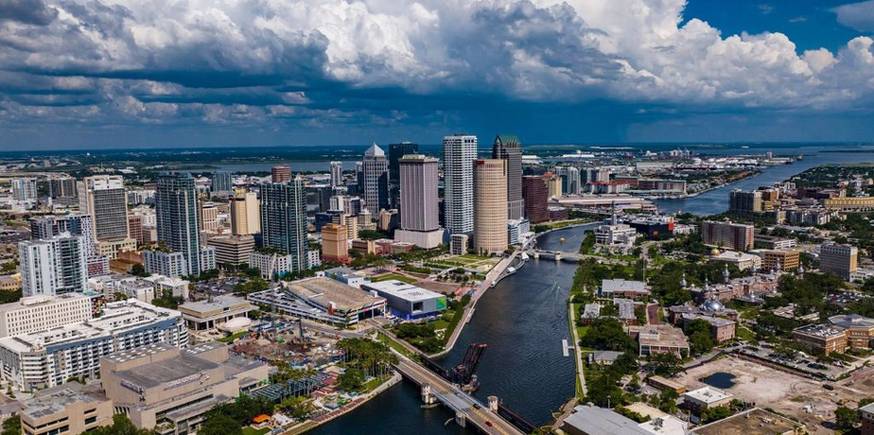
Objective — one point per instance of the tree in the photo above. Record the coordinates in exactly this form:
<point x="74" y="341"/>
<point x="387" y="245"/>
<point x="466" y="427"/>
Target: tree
<point x="606" y="333"/>
<point x="716" y="413"/>
<point x="664" y="364"/>
<point x="846" y="418"/>
<point x="12" y="426"/>
<point x="138" y="270"/>
<point x="668" y="401"/>
<point x="700" y="340"/>
<point x="298" y="407"/>
<point x="220" y="424"/>
<point x="351" y="380"/>
<point x="121" y="425"/>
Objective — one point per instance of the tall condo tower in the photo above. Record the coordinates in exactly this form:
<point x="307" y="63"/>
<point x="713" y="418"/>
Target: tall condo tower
<point x="420" y="215"/>
<point x="490" y="215"/>
<point x="459" y="152"/>
<point x="336" y="174"/>
<point x="176" y="217"/>
<point x="509" y="149"/>
<point x="284" y="221"/>
<point x="104" y="198"/>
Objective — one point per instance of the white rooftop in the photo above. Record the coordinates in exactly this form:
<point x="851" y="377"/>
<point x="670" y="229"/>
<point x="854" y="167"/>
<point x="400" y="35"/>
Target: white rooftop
<point x="622" y="286"/>
<point x="708" y="395"/>
<point x="403" y="290"/>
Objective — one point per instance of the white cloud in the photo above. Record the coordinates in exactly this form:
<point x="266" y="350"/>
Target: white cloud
<point x="858" y="16"/>
<point x="136" y="54"/>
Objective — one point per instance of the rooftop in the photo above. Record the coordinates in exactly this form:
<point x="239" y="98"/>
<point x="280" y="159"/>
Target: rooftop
<point x="164" y="371"/>
<point x="34" y="301"/>
<point x="593" y="420"/>
<point x="661" y="335"/>
<point x="53" y="400"/>
<point x="325" y="291"/>
<point x="623" y="286"/>
<point x="403" y="290"/>
<point x="851" y="321"/>
<point x="708" y="394"/>
<point x="219" y="302"/>
<point x="822" y="330"/>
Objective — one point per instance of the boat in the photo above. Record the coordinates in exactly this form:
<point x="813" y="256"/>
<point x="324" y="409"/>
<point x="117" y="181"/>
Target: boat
<point x="511" y="269"/>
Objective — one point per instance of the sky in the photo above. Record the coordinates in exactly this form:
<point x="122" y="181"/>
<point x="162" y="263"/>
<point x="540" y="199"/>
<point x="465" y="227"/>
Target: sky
<point x="87" y="74"/>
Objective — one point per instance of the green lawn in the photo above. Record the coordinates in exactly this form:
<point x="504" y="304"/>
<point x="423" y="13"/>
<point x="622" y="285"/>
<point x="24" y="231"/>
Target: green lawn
<point x="248" y="430"/>
<point x="745" y="334"/>
<point x="392" y="275"/>
<point x="395" y="345"/>
<point x="230" y="339"/>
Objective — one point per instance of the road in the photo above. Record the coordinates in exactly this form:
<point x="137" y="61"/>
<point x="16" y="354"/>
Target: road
<point x="476" y="414"/>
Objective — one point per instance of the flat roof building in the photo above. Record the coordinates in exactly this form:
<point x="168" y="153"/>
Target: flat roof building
<point x="654" y="339"/>
<point x="706" y="397"/>
<point x="823" y="338"/>
<point x="39" y="313"/>
<point x="755" y="421"/>
<point x="841" y="260"/>
<point x="859" y="329"/>
<point x="592" y="420"/>
<point x="208" y="314"/>
<point x="71" y="408"/>
<point x="48" y="358"/>
<point x="624" y="288"/>
<point x="408" y="301"/>
<point x="170" y="390"/>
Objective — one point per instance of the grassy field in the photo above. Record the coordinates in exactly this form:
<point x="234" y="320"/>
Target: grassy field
<point x="745" y="333"/>
<point x="230" y="339"/>
<point x="392" y="275"/>
<point x="248" y="430"/>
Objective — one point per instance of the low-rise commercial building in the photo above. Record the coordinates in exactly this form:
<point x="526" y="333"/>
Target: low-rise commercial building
<point x="866" y="414"/>
<point x="849" y="203"/>
<point x="346" y="276"/>
<point x="40" y="313"/>
<point x="408" y="301"/>
<point x="205" y="315"/>
<point x="741" y="260"/>
<point x="624" y="288"/>
<point x="822" y="338"/>
<point x="48" y="358"/>
<point x="71" y="408"/>
<point x="653" y="339"/>
<point x="271" y="264"/>
<point x="170" y="390"/>
<point x="859" y="329"/>
<point x="232" y="250"/>
<point x="754" y="421"/>
<point x="706" y="397"/>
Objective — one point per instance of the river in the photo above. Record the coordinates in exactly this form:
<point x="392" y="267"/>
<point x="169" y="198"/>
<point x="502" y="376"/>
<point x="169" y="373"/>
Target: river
<point x="523" y="320"/>
<point x="716" y="201"/>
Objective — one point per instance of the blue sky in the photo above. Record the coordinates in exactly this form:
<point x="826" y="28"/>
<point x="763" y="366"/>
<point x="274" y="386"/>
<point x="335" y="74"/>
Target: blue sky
<point x="172" y="73"/>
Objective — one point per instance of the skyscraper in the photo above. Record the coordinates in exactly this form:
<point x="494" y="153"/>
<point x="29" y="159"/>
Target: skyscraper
<point x="222" y="182"/>
<point x="77" y="224"/>
<point x="245" y="213"/>
<point x="280" y="173"/>
<point x="395" y="152"/>
<point x="375" y="169"/>
<point x="335" y="246"/>
<point x="570" y="179"/>
<point x="459" y="152"/>
<point x="283" y="220"/>
<point x="420" y="220"/>
<point x="536" y="193"/>
<point x="490" y="215"/>
<point x="104" y="198"/>
<point x="53" y="266"/>
<point x="510" y="149"/>
<point x="177" y="218"/>
<point x="336" y="174"/>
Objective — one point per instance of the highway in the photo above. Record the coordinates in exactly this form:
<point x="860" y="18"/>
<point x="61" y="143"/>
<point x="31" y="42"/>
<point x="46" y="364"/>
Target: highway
<point x="457" y="400"/>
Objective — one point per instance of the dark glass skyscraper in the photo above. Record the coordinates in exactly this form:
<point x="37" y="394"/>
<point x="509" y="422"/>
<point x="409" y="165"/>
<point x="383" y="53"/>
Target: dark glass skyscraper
<point x="510" y="149"/>
<point x="176" y="217"/>
<point x="395" y="152"/>
<point x="283" y="220"/>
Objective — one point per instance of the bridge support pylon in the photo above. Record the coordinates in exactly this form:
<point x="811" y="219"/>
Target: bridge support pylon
<point x="493" y="403"/>
<point x="428" y="397"/>
<point x="557" y="256"/>
<point x="461" y="418"/>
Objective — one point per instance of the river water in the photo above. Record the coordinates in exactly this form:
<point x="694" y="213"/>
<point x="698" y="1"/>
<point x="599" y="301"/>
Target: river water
<point x="523" y="320"/>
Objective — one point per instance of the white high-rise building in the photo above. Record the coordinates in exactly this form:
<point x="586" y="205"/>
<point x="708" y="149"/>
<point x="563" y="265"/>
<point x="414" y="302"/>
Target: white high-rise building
<point x="24" y="189"/>
<point x="459" y="152"/>
<point x="53" y="266"/>
<point x="375" y="167"/>
<point x="336" y="174"/>
<point x="420" y="223"/>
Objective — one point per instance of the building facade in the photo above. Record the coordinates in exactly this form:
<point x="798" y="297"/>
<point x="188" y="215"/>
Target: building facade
<point x="283" y="220"/>
<point x="176" y="216"/>
<point x="535" y="193"/>
<point x="375" y="170"/>
<point x="40" y="313"/>
<point x="335" y="244"/>
<point x="509" y="149"/>
<point x="104" y="198"/>
<point x="53" y="266"/>
<point x="841" y="260"/>
<point x="737" y="237"/>
<point x="459" y="152"/>
<point x="490" y="202"/>
<point x="419" y="213"/>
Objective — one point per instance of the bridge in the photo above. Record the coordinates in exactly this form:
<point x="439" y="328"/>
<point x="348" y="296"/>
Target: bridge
<point x="570" y="257"/>
<point x="467" y="409"/>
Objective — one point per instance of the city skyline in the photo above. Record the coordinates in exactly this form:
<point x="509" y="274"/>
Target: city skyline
<point x="584" y="71"/>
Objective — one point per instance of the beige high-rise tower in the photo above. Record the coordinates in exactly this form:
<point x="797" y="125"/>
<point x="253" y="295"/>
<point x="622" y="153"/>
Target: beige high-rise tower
<point x="490" y="206"/>
<point x="245" y="213"/>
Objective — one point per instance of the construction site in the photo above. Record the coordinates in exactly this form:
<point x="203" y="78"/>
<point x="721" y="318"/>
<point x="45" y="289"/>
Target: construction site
<point x="808" y="401"/>
<point x="290" y="342"/>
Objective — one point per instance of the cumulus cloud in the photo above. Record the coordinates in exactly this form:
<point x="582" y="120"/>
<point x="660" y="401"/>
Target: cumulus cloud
<point x="377" y="61"/>
<point x="858" y="16"/>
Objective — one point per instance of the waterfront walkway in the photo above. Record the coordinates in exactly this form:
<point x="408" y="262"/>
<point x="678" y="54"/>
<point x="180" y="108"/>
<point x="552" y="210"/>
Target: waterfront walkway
<point x="466" y="408"/>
